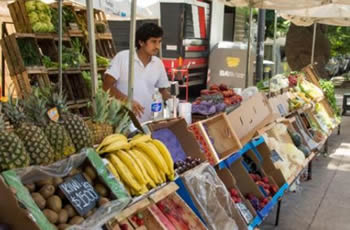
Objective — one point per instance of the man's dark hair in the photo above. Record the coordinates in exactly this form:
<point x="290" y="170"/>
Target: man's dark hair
<point x="146" y="31"/>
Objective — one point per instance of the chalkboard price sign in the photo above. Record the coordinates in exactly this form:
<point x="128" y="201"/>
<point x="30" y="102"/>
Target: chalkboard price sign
<point x="80" y="193"/>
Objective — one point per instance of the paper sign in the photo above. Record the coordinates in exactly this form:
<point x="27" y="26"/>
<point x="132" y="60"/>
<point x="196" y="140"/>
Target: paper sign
<point x="53" y="114"/>
<point x="80" y="193"/>
<point x="248" y="217"/>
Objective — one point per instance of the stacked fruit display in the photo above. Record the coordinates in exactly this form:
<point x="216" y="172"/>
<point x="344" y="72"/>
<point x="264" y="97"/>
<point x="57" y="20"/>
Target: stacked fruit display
<point x="235" y="195"/>
<point x="36" y="139"/>
<point x="264" y="183"/>
<point x="141" y="164"/>
<point x="187" y="164"/>
<point x="230" y="97"/>
<point x="258" y="204"/>
<point x="54" y="204"/>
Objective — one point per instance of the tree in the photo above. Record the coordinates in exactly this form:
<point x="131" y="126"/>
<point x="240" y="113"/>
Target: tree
<point x="282" y="25"/>
<point x="339" y="37"/>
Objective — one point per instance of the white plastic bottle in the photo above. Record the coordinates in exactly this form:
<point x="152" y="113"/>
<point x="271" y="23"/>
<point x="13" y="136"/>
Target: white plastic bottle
<point x="157" y="105"/>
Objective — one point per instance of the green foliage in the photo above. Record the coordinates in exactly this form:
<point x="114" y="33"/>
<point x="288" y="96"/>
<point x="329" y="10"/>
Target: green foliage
<point x="328" y="88"/>
<point x="282" y="25"/>
<point x="339" y="37"/>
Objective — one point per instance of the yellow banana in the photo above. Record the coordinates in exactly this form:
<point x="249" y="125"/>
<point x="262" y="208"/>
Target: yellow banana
<point x="110" y="139"/>
<point x="154" y="154"/>
<point x="149" y="166"/>
<point x="115" y="146"/>
<point x="166" y="156"/>
<point x="140" y="138"/>
<point x="112" y="169"/>
<point x="132" y="165"/>
<point x="124" y="172"/>
<point x="142" y="168"/>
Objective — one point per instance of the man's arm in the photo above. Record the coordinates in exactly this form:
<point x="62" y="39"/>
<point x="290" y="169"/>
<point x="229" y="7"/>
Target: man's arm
<point x="165" y="93"/>
<point x="109" y="83"/>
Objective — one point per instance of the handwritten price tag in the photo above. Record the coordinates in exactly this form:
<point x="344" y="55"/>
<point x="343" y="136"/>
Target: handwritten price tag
<point x="80" y="193"/>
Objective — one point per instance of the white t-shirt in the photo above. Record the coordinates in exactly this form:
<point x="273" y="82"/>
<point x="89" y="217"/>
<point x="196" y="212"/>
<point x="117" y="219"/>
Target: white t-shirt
<point x="145" y="81"/>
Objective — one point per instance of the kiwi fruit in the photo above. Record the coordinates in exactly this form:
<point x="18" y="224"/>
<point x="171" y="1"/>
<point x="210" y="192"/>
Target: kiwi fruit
<point x="76" y="220"/>
<point x="102" y="201"/>
<point x="101" y="190"/>
<point x="47" y="190"/>
<point x="63" y="216"/>
<point x="54" y="203"/>
<point x="70" y="210"/>
<point x="87" y="177"/>
<point x="51" y="216"/>
<point x="42" y="183"/>
<point x="74" y="172"/>
<point x="57" y="181"/>
<point x="31" y="187"/>
<point x="39" y="200"/>
<point x="90" y="171"/>
<point x="63" y="226"/>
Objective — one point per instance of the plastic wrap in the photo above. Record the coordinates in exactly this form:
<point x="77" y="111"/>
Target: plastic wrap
<point x="249" y="92"/>
<point x="212" y="198"/>
<point x="32" y="174"/>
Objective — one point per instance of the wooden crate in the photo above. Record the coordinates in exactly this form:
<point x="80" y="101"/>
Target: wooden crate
<point x="105" y="45"/>
<point x="20" y="17"/>
<point x="311" y="75"/>
<point x="12" y="55"/>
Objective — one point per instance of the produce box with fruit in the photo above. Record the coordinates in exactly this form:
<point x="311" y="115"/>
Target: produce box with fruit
<point x="217" y="138"/>
<point x="181" y="143"/>
<point x="141" y="163"/>
<point x="246" y="211"/>
<point x="253" y="114"/>
<point x="254" y="185"/>
<point x="78" y="191"/>
<point x="212" y="198"/>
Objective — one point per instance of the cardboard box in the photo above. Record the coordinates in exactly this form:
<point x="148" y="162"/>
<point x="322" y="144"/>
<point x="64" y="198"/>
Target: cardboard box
<point x="15" y="216"/>
<point x="230" y="182"/>
<point x="244" y="182"/>
<point x="268" y="166"/>
<point x="186" y="138"/>
<point x="252" y="115"/>
<point x="217" y="138"/>
<point x="35" y="173"/>
<point x="279" y="104"/>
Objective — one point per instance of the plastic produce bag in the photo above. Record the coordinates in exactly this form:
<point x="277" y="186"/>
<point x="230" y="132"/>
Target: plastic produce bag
<point x="212" y="198"/>
<point x="249" y="92"/>
<point x="171" y="142"/>
<point x="20" y="177"/>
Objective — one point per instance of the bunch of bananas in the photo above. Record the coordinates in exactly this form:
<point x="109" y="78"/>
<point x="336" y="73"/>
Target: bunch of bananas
<point x="141" y="164"/>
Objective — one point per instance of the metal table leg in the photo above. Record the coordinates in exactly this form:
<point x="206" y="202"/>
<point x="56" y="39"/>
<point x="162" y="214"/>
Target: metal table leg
<point x="309" y="171"/>
<point x="326" y="147"/>
<point x="339" y="126"/>
<point x="278" y="212"/>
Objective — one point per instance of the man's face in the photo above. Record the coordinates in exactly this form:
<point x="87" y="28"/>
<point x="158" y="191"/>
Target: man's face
<point x="151" y="46"/>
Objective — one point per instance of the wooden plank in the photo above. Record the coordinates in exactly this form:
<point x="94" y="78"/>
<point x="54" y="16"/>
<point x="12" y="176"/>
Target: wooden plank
<point x="7" y="57"/>
<point x="132" y="209"/>
<point x="27" y="24"/>
<point x="17" y="57"/>
<point x="68" y="87"/>
<point x="163" y="192"/>
<point x="14" y="17"/>
<point x="26" y="82"/>
<point x="17" y="87"/>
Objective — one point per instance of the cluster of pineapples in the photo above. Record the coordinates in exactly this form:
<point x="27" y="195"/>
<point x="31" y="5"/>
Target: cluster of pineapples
<point x="109" y="116"/>
<point x="35" y="139"/>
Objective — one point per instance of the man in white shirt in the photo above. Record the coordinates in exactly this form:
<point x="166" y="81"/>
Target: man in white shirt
<point x="149" y="72"/>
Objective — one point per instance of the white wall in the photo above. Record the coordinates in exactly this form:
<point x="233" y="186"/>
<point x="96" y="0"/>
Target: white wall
<point x="217" y="23"/>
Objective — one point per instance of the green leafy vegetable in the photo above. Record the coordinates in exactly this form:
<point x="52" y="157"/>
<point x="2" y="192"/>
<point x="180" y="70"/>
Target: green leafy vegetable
<point x="30" y="54"/>
<point x="102" y="61"/>
<point x="328" y="88"/>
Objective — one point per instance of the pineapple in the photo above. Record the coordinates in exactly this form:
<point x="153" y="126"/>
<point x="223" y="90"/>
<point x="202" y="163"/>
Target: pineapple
<point x="12" y="151"/>
<point x="35" y="107"/>
<point x="75" y="125"/>
<point x="98" y="125"/>
<point x="33" y="137"/>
